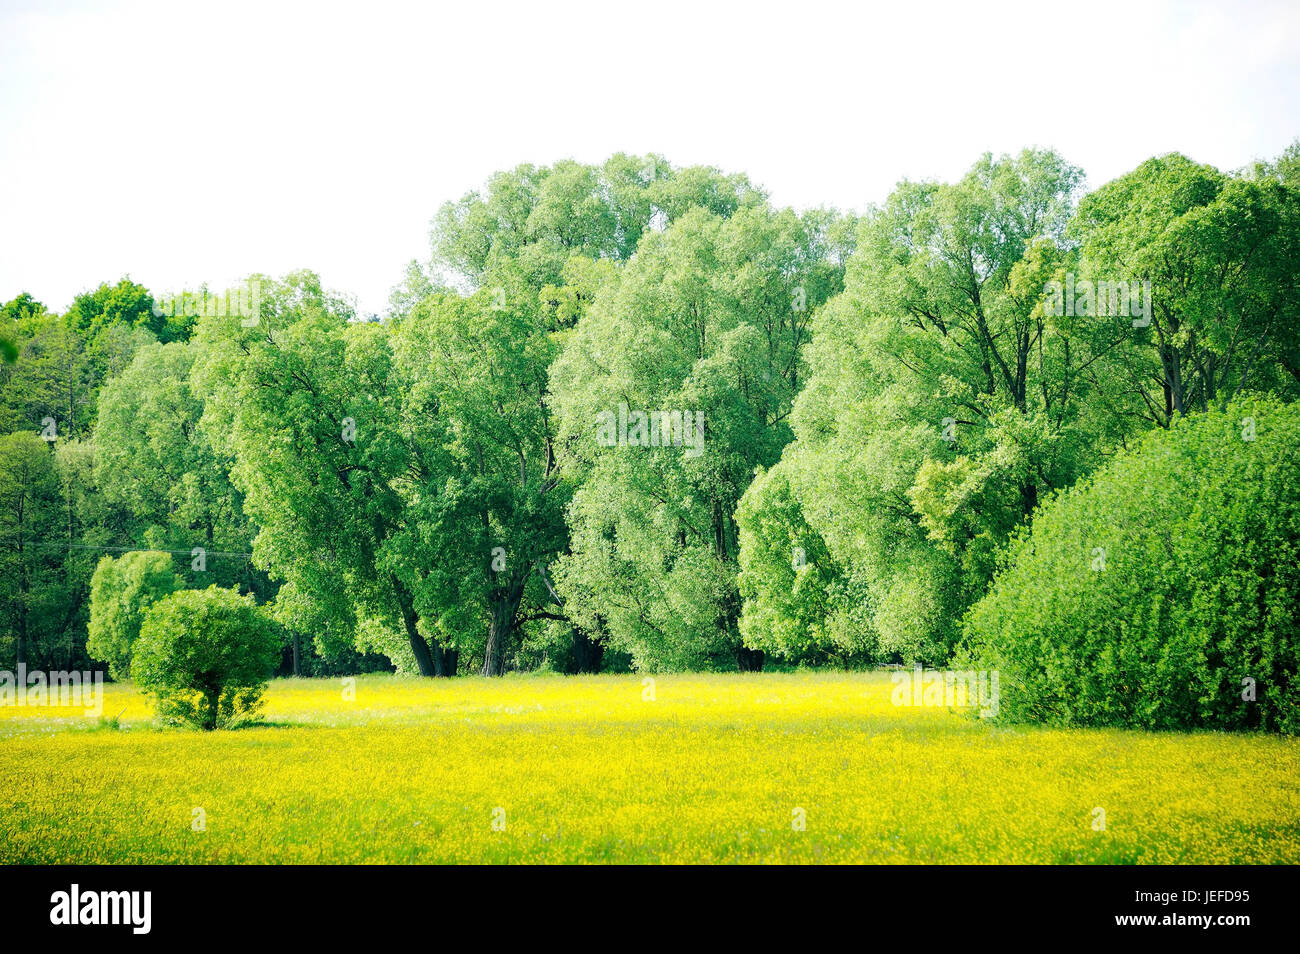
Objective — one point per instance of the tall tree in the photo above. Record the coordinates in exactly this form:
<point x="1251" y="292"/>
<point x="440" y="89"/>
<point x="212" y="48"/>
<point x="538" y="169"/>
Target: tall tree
<point x="399" y="472"/>
<point x="1221" y="254"/>
<point x="944" y="402"/>
<point x="674" y="386"/>
<point x="31" y="585"/>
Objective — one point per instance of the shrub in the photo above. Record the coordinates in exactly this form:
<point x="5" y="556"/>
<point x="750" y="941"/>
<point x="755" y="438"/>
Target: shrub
<point x="1162" y="592"/>
<point x="121" y="591"/>
<point x="205" y="656"/>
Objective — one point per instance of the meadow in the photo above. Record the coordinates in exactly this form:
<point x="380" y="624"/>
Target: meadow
<point x="769" y="767"/>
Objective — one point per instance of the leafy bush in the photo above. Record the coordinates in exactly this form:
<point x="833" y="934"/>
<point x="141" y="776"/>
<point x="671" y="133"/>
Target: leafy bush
<point x="1163" y="591"/>
<point x="205" y="656"/>
<point x="121" y="591"/>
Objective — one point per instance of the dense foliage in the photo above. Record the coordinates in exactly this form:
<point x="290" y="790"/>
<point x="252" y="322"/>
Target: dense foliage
<point x="1163" y="590"/>
<point x="205" y="656"/>
<point x="121" y="592"/>
<point x="634" y="415"/>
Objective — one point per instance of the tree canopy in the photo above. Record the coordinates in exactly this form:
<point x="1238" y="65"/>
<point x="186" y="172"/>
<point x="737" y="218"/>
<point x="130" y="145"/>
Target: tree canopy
<point x="632" y="414"/>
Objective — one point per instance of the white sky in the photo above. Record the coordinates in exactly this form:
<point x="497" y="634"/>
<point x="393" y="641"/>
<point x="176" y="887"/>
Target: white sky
<point x="184" y="143"/>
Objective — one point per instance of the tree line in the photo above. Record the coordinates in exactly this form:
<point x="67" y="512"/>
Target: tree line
<point x="502" y="471"/>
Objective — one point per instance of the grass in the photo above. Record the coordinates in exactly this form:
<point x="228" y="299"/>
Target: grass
<point x="585" y="769"/>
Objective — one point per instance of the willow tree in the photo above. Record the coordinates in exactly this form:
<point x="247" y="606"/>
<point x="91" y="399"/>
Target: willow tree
<point x="306" y="403"/>
<point x="944" y="401"/>
<point x="400" y="473"/>
<point x="673" y="387"/>
<point x="1220" y="253"/>
<point x="533" y="252"/>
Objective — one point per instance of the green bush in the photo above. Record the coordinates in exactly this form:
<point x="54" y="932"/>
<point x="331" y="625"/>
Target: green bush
<point x="121" y="591"/>
<point x="1162" y="592"/>
<point x="205" y="656"/>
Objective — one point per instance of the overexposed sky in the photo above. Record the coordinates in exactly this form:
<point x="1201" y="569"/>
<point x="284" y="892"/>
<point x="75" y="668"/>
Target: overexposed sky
<point x="183" y="143"/>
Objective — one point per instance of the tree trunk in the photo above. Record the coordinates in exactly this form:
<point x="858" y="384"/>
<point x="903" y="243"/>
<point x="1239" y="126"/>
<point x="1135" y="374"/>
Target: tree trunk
<point x="297" y="664"/>
<point x="498" y="631"/>
<point x="429" y="661"/>
<point x="450" y="661"/>
<point x="749" y="660"/>
<point x="500" y="626"/>
<point x="587" y="652"/>
<point x="214" y="701"/>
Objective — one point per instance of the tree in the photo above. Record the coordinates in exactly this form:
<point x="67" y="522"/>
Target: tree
<point x="125" y="303"/>
<point x="670" y="391"/>
<point x="205" y="656"/>
<point x="415" y="286"/>
<point x="53" y="383"/>
<point x="15" y="314"/>
<point x="534" y="219"/>
<point x="1160" y="592"/>
<point x="88" y="527"/>
<point x="943" y="402"/>
<point x="306" y="403"/>
<point x="399" y="471"/>
<point x="799" y="602"/>
<point x="121" y="592"/>
<point x="475" y="374"/>
<point x="21" y="308"/>
<point x="1221" y="254"/>
<point x="31" y="585"/>
<point x="163" y="471"/>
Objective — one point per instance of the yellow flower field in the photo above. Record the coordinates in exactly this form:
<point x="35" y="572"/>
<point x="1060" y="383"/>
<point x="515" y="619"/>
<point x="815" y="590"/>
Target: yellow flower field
<point x="765" y="767"/>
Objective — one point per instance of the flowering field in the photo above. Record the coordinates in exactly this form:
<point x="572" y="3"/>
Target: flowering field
<point x="696" y="768"/>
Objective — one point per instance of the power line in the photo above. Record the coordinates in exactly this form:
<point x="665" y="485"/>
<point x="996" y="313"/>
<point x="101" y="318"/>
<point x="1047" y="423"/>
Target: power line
<point x="190" y="552"/>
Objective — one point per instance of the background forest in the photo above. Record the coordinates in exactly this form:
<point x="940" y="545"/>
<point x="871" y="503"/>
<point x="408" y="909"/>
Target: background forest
<point x="1002" y="422"/>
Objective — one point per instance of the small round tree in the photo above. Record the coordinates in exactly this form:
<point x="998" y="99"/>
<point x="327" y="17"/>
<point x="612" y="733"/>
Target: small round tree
<point x="205" y="656"/>
<point x="121" y="591"/>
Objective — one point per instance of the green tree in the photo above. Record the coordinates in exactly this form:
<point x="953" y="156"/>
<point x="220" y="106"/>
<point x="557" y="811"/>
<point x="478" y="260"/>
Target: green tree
<point x="474" y="389"/>
<point x="89" y="526"/>
<point x="121" y="592"/>
<point x="306" y="403"/>
<point x="943" y="401"/>
<point x="50" y="387"/>
<point x="164" y="473"/>
<point x="20" y="311"/>
<point x="706" y="320"/>
<point x="125" y="303"/>
<point x="205" y="656"/>
<point x="1221" y="253"/>
<point x="533" y="219"/>
<point x="21" y="308"/>
<point x="401" y="473"/>
<point x="32" y="590"/>
<point x="799" y="603"/>
<point x="416" y="285"/>
<point x="58" y="370"/>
